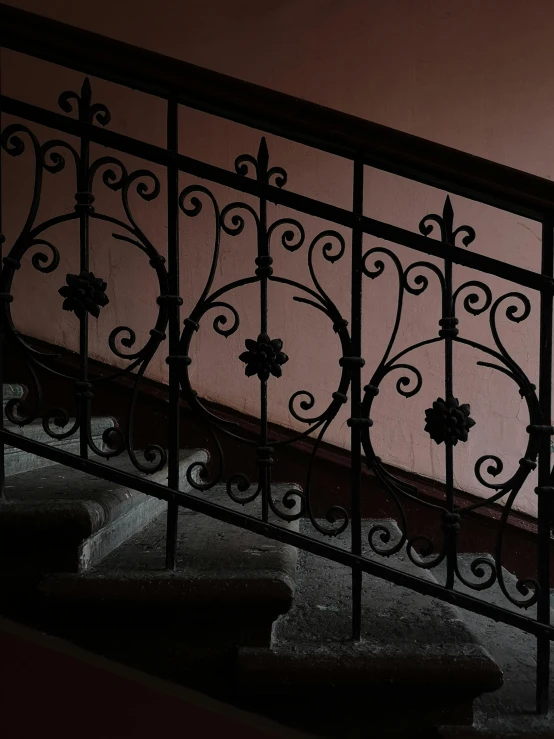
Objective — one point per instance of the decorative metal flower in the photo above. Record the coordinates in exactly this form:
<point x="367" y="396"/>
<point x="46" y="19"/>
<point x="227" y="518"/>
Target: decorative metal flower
<point x="264" y="357"/>
<point x="84" y="292"/>
<point x="448" y="421"/>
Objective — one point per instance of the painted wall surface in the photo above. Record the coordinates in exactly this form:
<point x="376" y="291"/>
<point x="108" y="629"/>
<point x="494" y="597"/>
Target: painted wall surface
<point x="472" y="74"/>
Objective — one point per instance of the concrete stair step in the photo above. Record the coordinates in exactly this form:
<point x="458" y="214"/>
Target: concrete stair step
<point x="60" y="519"/>
<point x="12" y="391"/>
<point x="524" y="727"/>
<point x="416" y="667"/>
<point x="220" y="570"/>
<point x="17" y="461"/>
<point x="228" y="588"/>
<point x="510" y="711"/>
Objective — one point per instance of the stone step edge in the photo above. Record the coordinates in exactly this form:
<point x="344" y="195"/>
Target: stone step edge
<point x="518" y="727"/>
<point x="266" y="590"/>
<point x="266" y="670"/>
<point x="99" y="424"/>
<point x="93" y="515"/>
<point x="18" y="461"/>
<point x="96" y="547"/>
<point x="268" y="583"/>
<point x="319" y="667"/>
<point x="135" y="588"/>
<point x="11" y="391"/>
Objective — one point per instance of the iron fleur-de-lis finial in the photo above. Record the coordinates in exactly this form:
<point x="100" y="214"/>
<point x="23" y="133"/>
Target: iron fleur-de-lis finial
<point x="263" y="157"/>
<point x="259" y="165"/>
<point x="87" y="111"/>
<point x="446" y="225"/>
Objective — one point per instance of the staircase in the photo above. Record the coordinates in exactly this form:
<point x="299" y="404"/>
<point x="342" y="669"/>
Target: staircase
<point x="64" y="519"/>
<point x="171" y="574"/>
<point x="241" y="618"/>
<point x="507" y="712"/>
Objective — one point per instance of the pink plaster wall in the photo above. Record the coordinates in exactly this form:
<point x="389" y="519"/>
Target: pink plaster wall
<point x="471" y="74"/>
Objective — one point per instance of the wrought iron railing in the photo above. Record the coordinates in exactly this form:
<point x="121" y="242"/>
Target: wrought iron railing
<point x="364" y="144"/>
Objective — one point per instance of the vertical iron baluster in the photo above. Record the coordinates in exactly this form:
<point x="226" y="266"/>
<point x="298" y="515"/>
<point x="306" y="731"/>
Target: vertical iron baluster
<point x="2" y="299"/>
<point x="544" y="490"/>
<point x="84" y="207"/>
<point x="356" y="398"/>
<point x="448" y="331"/>
<point x="263" y="270"/>
<point x="174" y="322"/>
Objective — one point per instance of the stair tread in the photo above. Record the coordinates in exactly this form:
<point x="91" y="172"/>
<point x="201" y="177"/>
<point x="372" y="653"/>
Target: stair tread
<point x="11" y="391"/>
<point x="406" y="637"/>
<point x="524" y="726"/>
<point x="511" y="707"/>
<point x="232" y="551"/>
<point x="57" y="519"/>
<point x="18" y="462"/>
<point x="493" y="594"/>
<point x="216" y="563"/>
<point x="64" y="495"/>
<point x="36" y="431"/>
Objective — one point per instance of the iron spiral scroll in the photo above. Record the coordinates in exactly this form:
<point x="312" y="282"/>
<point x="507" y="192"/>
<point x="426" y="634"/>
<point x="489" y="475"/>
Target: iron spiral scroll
<point x="264" y="356"/>
<point x="84" y="294"/>
<point x="449" y="421"/>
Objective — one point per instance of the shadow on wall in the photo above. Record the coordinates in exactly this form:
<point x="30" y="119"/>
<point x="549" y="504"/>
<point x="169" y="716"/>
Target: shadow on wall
<point x="373" y="66"/>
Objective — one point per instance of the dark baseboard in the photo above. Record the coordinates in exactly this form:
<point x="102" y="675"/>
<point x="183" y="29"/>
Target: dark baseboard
<point x="331" y="473"/>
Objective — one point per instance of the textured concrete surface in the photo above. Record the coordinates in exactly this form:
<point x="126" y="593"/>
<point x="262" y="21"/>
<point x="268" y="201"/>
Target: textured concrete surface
<point x="415" y="652"/>
<point x="228" y="588"/>
<point x="17" y="461"/>
<point x="218" y="567"/>
<point x="510" y="711"/>
<point x="10" y="391"/>
<point x="61" y="519"/>
<point x="471" y="74"/>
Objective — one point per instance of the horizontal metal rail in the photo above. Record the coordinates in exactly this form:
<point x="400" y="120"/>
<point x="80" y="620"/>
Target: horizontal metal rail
<point x="284" y="115"/>
<point x="300" y="203"/>
<point x="278" y="533"/>
<point x="364" y="144"/>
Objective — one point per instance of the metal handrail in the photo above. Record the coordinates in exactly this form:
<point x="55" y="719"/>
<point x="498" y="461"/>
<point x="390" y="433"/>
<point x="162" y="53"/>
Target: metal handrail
<point x="275" y="112"/>
<point x="365" y="144"/>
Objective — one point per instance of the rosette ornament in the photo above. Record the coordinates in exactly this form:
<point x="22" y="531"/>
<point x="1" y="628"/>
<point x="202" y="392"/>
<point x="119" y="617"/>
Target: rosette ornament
<point x="263" y="357"/>
<point x="84" y="293"/>
<point x="448" y="421"/>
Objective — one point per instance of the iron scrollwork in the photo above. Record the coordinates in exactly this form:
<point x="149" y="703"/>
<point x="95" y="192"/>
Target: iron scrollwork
<point x="264" y="357"/>
<point x="84" y="293"/>
<point x="448" y="421"/>
<point x="87" y="296"/>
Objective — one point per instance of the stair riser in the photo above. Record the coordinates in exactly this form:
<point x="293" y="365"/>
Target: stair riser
<point x="57" y="552"/>
<point x="11" y="392"/>
<point x="17" y="461"/>
<point x="201" y="658"/>
<point x="481" y="732"/>
<point x="66" y="534"/>
<point x="94" y="549"/>
<point x="386" y="713"/>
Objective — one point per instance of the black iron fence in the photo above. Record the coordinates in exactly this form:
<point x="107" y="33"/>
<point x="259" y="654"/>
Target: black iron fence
<point x="447" y="421"/>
